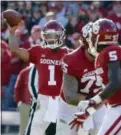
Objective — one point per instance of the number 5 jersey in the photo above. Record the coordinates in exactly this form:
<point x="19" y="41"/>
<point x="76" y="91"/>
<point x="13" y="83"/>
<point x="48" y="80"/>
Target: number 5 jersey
<point x="109" y="54"/>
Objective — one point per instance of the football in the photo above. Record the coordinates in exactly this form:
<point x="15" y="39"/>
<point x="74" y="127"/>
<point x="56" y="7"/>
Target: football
<point x="12" y="17"/>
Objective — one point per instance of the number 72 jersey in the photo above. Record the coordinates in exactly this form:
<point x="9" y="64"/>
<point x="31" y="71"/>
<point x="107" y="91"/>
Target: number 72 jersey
<point x="48" y="64"/>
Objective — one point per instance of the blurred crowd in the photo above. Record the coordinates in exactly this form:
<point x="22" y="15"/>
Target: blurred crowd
<point x="72" y="15"/>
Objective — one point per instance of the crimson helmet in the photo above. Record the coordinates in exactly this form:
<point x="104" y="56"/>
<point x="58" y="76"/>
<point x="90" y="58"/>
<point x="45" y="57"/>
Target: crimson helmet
<point x="85" y="34"/>
<point x="104" y="32"/>
<point x="53" y="34"/>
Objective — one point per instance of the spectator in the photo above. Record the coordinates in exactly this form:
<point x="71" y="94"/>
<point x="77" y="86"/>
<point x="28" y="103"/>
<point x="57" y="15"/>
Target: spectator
<point x="21" y="7"/>
<point x="74" y="6"/>
<point x="48" y="16"/>
<point x="74" y="42"/>
<point x="44" y="8"/>
<point x="5" y="74"/>
<point x="28" y="8"/>
<point x="71" y="26"/>
<point x="22" y="33"/>
<point x="53" y="14"/>
<point x="82" y="19"/>
<point x="5" y="63"/>
<point x="60" y="12"/>
<point x="34" y="19"/>
<point x="11" y="5"/>
<point x="34" y="38"/>
<point x="4" y="31"/>
<point x="4" y="5"/>
<point x="116" y="16"/>
<point x="69" y="14"/>
<point x="23" y="98"/>
<point x="93" y="13"/>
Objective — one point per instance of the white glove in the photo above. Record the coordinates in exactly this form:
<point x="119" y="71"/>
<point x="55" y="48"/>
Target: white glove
<point x="87" y="106"/>
<point x="82" y="106"/>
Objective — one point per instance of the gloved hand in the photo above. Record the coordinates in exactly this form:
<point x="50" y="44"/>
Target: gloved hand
<point x="79" y="119"/>
<point x="86" y="108"/>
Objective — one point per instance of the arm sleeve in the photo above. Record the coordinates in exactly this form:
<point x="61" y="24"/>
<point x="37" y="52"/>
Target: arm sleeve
<point x="6" y="57"/>
<point x="18" y="87"/>
<point x="33" y="53"/>
<point x="67" y="67"/>
<point x="114" y="77"/>
<point x="114" y="54"/>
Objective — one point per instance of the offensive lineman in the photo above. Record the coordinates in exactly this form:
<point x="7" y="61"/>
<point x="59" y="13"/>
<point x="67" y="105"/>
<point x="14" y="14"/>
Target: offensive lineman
<point x="79" y="83"/>
<point x="103" y="44"/>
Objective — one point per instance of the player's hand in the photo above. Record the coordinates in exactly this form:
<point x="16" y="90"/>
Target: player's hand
<point x="79" y="119"/>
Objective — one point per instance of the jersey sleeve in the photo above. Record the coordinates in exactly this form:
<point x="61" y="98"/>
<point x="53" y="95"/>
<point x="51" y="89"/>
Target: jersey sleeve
<point x="68" y="66"/>
<point x="110" y="54"/>
<point x="33" y="54"/>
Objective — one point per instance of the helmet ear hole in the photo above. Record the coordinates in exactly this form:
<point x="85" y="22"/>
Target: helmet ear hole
<point x="85" y="34"/>
<point x="104" y="33"/>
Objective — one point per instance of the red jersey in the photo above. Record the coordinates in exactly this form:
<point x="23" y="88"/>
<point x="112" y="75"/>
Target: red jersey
<point x="48" y="64"/>
<point x="109" y="54"/>
<point x="79" y="66"/>
<point x="5" y="64"/>
<point x="21" y="87"/>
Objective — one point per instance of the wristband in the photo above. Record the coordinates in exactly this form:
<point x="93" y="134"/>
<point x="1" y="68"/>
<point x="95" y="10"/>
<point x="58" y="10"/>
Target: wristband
<point x="97" y="99"/>
<point x="91" y="110"/>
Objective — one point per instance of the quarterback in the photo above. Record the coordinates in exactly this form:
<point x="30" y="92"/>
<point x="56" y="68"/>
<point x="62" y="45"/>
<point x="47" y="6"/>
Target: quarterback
<point x="47" y="60"/>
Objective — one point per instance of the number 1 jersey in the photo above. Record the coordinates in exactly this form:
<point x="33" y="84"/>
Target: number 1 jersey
<point x="48" y="64"/>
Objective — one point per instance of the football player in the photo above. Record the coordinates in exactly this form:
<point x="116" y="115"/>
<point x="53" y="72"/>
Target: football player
<point x="103" y="44"/>
<point x="47" y="61"/>
<point x="23" y="94"/>
<point x="80" y="82"/>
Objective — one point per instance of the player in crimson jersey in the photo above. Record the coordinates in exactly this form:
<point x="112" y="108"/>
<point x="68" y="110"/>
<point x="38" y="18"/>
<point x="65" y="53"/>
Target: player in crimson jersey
<point x="80" y="83"/>
<point x="47" y="61"/>
<point x="103" y="44"/>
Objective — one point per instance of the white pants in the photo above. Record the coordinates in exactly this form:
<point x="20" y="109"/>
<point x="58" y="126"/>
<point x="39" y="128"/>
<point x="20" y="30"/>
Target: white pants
<point x="66" y="113"/>
<point x="94" y="122"/>
<point x="24" y="116"/>
<point x="112" y="122"/>
<point x="62" y="128"/>
<point x="98" y="118"/>
<point x="44" y="115"/>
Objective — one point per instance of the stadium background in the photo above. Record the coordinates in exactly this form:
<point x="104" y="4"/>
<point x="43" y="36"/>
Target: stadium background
<point x="72" y="15"/>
